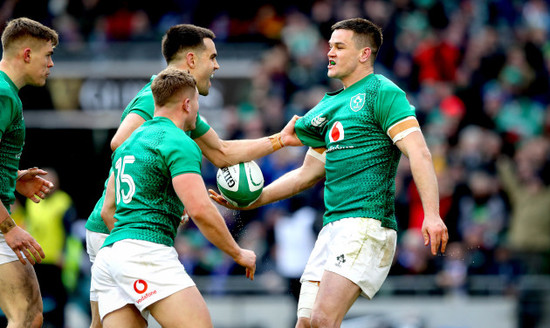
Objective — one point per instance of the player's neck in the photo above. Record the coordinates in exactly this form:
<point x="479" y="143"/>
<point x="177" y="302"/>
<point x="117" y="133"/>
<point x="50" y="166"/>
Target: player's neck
<point x="356" y="76"/>
<point x="12" y="72"/>
<point x="170" y="114"/>
<point x="181" y="65"/>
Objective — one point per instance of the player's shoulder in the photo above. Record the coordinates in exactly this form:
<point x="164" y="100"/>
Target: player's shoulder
<point x="6" y="90"/>
<point x="387" y="85"/>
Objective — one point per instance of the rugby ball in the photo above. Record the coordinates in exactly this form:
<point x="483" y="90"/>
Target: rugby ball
<point x="240" y="184"/>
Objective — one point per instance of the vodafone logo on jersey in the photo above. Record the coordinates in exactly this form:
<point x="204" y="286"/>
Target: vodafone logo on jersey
<point x="336" y="133"/>
<point x="140" y="286"/>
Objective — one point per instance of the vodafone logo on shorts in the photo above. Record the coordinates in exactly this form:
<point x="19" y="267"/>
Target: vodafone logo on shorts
<point x="140" y="286"/>
<point x="336" y="133"/>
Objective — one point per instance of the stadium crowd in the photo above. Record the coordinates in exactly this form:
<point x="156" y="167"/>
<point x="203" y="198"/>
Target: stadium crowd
<point x="476" y="71"/>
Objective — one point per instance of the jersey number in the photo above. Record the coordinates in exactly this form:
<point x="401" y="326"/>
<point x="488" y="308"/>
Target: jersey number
<point x="122" y="177"/>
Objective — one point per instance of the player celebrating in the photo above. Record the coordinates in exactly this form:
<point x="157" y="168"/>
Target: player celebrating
<point x="26" y="60"/>
<point x="357" y="135"/>
<point x="192" y="49"/>
<point x="156" y="170"/>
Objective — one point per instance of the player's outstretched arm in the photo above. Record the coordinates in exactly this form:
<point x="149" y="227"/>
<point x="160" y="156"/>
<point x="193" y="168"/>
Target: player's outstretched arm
<point x="224" y="153"/>
<point x="433" y="228"/>
<point x="288" y="185"/>
<point x="130" y="123"/>
<point x="109" y="204"/>
<point x="192" y="192"/>
<point x="19" y="240"/>
<point x="31" y="185"/>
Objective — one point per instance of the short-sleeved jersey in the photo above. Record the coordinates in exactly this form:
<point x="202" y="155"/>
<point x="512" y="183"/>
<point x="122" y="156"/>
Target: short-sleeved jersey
<point x="147" y="206"/>
<point x="143" y="105"/>
<point x="12" y="138"/>
<point x="361" y="159"/>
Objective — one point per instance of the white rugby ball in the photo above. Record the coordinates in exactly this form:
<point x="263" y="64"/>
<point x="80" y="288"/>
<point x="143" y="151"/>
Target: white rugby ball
<point x="241" y="184"/>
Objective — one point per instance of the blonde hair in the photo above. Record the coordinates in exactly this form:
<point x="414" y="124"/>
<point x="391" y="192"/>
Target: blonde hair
<point x="171" y="82"/>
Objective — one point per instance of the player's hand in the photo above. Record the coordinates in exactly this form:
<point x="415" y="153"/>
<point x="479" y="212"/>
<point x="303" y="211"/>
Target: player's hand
<point x="222" y="201"/>
<point x="288" y="134"/>
<point x="21" y="241"/>
<point x="184" y="218"/>
<point x="247" y="259"/>
<point x="31" y="185"/>
<point x="435" y="233"/>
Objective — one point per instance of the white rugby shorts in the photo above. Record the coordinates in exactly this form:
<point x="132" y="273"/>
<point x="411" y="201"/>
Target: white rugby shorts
<point x="136" y="272"/>
<point x="7" y="254"/>
<point x="356" y="248"/>
<point x="94" y="241"/>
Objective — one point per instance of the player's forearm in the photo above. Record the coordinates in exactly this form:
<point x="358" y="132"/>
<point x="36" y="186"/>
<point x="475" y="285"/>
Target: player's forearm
<point x="231" y="152"/>
<point x="426" y="181"/>
<point x="109" y="204"/>
<point x="213" y="227"/>
<point x="287" y="186"/>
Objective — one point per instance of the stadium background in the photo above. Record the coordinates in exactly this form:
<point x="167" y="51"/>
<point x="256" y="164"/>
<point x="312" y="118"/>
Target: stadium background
<point x="477" y="72"/>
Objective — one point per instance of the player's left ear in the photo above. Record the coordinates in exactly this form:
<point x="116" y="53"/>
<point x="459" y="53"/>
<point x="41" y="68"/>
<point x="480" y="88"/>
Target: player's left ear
<point x="365" y="54"/>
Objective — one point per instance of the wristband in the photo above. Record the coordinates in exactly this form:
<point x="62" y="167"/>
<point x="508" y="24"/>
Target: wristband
<point x="7" y="225"/>
<point x="20" y="174"/>
<point x="276" y="141"/>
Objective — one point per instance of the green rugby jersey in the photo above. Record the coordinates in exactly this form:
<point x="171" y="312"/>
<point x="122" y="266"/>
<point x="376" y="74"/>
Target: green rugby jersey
<point x="143" y="104"/>
<point x="361" y="159"/>
<point x="12" y="138"/>
<point x="148" y="207"/>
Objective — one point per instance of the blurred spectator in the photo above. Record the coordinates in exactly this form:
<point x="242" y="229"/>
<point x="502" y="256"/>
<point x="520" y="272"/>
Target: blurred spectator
<point x="50" y="221"/>
<point x="454" y="272"/>
<point x="529" y="194"/>
<point x="483" y="209"/>
<point x="412" y="257"/>
<point x="294" y="240"/>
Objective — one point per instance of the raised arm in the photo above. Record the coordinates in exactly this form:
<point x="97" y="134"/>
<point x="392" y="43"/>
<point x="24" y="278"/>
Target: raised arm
<point x="434" y="230"/>
<point x="192" y="192"/>
<point x="130" y="123"/>
<point x="224" y="153"/>
<point x="288" y="185"/>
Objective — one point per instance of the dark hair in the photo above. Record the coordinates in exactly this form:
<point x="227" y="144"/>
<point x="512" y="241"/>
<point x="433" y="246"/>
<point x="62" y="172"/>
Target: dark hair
<point x="169" y="82"/>
<point x="23" y="27"/>
<point x="366" y="33"/>
<point x="184" y="36"/>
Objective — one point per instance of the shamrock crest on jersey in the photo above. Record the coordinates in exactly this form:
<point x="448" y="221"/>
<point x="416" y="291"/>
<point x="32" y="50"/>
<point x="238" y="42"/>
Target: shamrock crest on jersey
<point x="357" y="102"/>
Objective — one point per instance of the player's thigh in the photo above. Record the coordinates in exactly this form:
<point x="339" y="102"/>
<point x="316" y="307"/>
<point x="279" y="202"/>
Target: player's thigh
<point x="19" y="291"/>
<point x="336" y="296"/>
<point x="169" y="311"/>
<point x="126" y="317"/>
